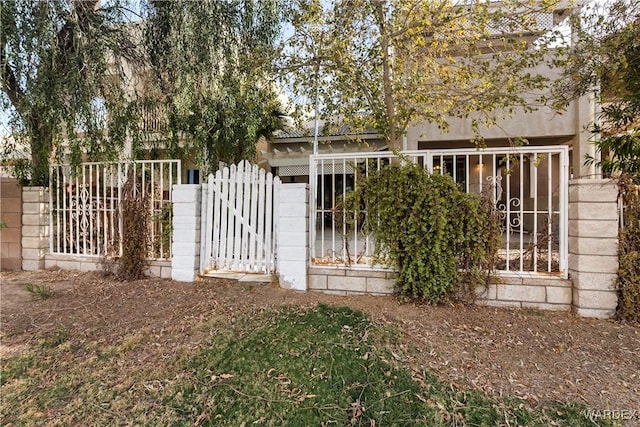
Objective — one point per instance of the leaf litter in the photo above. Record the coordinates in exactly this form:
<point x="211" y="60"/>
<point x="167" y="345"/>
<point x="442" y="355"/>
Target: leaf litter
<point x="535" y="355"/>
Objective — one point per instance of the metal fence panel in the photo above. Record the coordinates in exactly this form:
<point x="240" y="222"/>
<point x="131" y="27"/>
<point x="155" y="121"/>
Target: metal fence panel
<point x="529" y="186"/>
<point x="85" y="208"/>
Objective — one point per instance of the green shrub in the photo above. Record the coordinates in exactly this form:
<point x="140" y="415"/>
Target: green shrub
<point x="162" y="224"/>
<point x="434" y="234"/>
<point x="39" y="292"/>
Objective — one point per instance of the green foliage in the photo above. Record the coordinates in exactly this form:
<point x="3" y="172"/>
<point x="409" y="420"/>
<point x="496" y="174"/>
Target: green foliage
<point x="429" y="230"/>
<point x="212" y="75"/>
<point x="62" y="69"/>
<point x="605" y="61"/>
<point x="618" y="152"/>
<point x="3" y="225"/>
<point x="40" y="292"/>
<point x="135" y="232"/>
<point x="387" y="64"/>
<point x="629" y="253"/>
<point x="20" y="169"/>
<point x="59" y="337"/>
<point x="162" y="223"/>
<point x="79" y="77"/>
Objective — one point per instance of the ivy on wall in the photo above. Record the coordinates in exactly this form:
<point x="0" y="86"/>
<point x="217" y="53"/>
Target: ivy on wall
<point x="629" y="253"/>
<point x="441" y="240"/>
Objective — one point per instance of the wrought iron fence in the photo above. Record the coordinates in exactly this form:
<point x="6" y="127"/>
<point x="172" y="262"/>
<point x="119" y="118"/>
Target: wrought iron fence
<point x="85" y="209"/>
<point x="529" y="187"/>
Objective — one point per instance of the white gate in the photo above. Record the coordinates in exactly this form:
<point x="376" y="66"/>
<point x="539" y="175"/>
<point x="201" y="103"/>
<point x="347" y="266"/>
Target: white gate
<point x="239" y="223"/>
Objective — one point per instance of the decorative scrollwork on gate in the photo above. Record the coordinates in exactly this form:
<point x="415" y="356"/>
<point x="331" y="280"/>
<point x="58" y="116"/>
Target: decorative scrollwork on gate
<point x="495" y="183"/>
<point x="82" y="229"/>
<point x="511" y="206"/>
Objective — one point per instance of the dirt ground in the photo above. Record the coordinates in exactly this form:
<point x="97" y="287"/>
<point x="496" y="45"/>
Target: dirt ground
<point x="535" y="355"/>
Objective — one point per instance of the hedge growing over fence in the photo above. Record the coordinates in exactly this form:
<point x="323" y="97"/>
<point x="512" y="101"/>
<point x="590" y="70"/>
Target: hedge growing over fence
<point x="441" y="240"/>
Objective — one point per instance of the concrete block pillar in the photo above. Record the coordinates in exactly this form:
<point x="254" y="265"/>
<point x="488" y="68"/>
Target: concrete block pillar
<point x="593" y="246"/>
<point x="292" y="236"/>
<point x="35" y="227"/>
<point x="185" y="246"/>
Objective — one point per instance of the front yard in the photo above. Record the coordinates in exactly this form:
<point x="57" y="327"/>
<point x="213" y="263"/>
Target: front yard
<point x="156" y="352"/>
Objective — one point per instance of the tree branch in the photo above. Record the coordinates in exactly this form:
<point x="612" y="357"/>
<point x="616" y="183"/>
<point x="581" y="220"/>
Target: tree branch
<point x="10" y="83"/>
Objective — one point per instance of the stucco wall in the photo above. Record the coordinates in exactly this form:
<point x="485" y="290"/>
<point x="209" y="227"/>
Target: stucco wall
<point x="11" y="215"/>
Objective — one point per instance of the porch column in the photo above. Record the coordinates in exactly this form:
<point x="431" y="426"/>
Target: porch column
<point x="35" y="227"/>
<point x="292" y="236"/>
<point x="185" y="246"/>
<point x="593" y="246"/>
<point x="585" y="109"/>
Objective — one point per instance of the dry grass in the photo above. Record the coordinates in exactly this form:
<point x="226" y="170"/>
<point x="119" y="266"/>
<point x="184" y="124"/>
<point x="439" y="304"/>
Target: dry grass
<point x="101" y="345"/>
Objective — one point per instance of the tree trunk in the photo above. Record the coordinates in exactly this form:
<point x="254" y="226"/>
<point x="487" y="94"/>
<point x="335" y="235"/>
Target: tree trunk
<point x="387" y="76"/>
<point x="41" y="146"/>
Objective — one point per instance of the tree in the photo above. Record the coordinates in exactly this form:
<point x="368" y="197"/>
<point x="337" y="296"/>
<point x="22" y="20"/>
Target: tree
<point x="212" y="73"/>
<point x="605" y="60"/>
<point x="61" y="70"/>
<point x="78" y="76"/>
<point x="391" y="63"/>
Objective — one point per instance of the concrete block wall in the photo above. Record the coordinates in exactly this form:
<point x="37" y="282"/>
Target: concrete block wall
<point x="185" y="246"/>
<point x="593" y="243"/>
<point x="72" y="262"/>
<point x="593" y="246"/>
<point x="156" y="268"/>
<point x="11" y="216"/>
<point x="159" y="268"/>
<point x="293" y="236"/>
<point x="35" y="227"/>
<point x="344" y="281"/>
<point x="544" y="293"/>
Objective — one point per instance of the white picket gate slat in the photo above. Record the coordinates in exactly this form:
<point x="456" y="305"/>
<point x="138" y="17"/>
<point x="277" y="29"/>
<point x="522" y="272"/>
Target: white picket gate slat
<point x="246" y="209"/>
<point x="261" y="196"/>
<point x="253" y="214"/>
<point x="231" y="206"/>
<point x="240" y="223"/>
<point x="224" y="184"/>
<point x="216" y="185"/>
